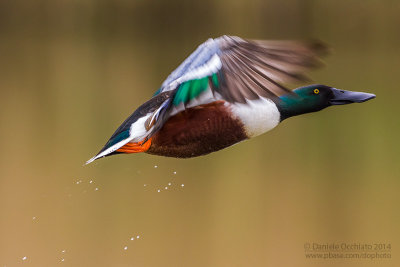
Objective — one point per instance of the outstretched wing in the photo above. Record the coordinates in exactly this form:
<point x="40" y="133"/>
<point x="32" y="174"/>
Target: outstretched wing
<point x="246" y="69"/>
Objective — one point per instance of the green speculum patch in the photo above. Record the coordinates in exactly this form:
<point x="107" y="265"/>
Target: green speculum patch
<point x="191" y="89"/>
<point x="214" y="79"/>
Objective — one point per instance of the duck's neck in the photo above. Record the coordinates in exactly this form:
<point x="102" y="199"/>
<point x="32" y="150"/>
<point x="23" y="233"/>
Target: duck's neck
<point x="292" y="105"/>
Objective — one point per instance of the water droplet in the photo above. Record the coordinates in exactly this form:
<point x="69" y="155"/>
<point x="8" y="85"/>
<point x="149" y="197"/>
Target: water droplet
<point x="137" y="237"/>
<point x="174" y="172"/>
<point x="182" y="185"/>
<point x="34" y="218"/>
<point x="125" y="248"/>
<point x="91" y="182"/>
<point x="24" y="258"/>
<point x="96" y="189"/>
<point x="145" y="185"/>
<point x="158" y="190"/>
<point x="166" y="187"/>
<point x="169" y="183"/>
<point x="62" y="260"/>
<point x="155" y="166"/>
<point x="132" y="238"/>
<point x="63" y="251"/>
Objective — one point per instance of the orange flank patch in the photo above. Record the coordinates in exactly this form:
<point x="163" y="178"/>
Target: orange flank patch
<point x="135" y="147"/>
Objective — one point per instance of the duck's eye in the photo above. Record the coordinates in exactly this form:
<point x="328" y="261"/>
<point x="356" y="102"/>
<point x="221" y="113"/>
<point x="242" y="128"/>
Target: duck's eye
<point x="316" y="91"/>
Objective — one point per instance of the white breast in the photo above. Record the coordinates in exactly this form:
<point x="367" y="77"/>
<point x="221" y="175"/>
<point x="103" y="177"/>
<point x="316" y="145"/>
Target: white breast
<point x="258" y="116"/>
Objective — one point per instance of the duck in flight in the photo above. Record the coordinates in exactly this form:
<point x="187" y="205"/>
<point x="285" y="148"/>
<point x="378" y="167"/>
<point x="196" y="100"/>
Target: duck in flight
<point x="228" y="90"/>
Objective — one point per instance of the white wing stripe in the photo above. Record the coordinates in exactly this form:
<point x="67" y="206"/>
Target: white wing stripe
<point x="209" y="68"/>
<point x="204" y="55"/>
<point x="110" y="150"/>
<point x="188" y="63"/>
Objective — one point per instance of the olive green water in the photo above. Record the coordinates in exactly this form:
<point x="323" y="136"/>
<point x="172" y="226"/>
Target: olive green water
<point x="72" y="71"/>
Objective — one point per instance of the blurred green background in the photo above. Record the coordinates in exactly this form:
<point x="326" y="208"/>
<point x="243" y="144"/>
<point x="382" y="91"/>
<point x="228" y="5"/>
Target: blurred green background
<point x="72" y="71"/>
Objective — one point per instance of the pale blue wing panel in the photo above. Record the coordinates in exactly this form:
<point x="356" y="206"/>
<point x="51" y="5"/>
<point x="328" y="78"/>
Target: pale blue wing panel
<point x="197" y="59"/>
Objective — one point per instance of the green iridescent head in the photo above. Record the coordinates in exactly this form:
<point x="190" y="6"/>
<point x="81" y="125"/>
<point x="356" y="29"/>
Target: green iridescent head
<point x="315" y="97"/>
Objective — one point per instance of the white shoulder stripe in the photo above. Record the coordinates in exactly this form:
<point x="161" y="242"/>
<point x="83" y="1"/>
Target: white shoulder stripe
<point x="156" y="113"/>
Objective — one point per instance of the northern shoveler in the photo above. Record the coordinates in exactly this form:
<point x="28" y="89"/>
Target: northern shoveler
<point x="226" y="91"/>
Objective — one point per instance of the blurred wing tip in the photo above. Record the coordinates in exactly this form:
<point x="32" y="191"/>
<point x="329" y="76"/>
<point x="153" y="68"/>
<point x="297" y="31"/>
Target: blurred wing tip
<point x="319" y="47"/>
